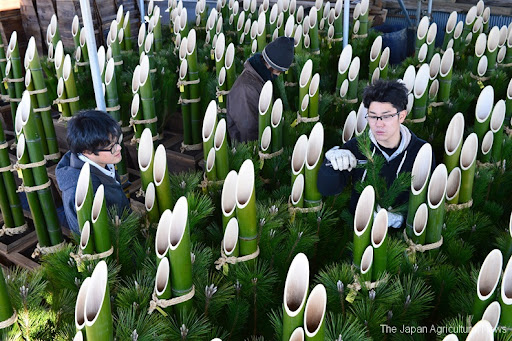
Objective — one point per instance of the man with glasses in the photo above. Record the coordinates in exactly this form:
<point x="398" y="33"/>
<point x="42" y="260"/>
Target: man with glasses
<point x="386" y="102"/>
<point x="93" y="137"/>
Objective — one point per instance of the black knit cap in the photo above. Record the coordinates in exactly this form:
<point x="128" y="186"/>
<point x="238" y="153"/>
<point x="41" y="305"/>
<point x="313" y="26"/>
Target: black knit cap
<point x="279" y="53"/>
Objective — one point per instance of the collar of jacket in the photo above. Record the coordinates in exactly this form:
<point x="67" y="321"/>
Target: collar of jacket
<point x="258" y="65"/>
<point x="405" y="139"/>
<point x="75" y="162"/>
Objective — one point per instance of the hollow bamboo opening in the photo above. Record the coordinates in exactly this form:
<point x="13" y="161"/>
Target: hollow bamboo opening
<point x="480" y="45"/>
<point x="297" y="189"/>
<point x="145" y="152"/>
<point x="420" y="220"/>
<point x="299" y="154"/>
<point x="159" y="165"/>
<point x="367" y="259"/>
<point x="150" y="197"/>
<point x="471" y="15"/>
<point x="458" y="30"/>
<point x="97" y="203"/>
<point x="453" y="183"/>
<point x="482" y="66"/>
<point x="144" y="71"/>
<point x="345" y="58"/>
<point x="314" y="85"/>
<point x="265" y="98"/>
<point x="421" y="82"/>
<point x="481" y="331"/>
<point x="434" y="66"/>
<point x="437" y="186"/>
<point x="134" y="109"/>
<point x="498" y="116"/>
<point x="230" y="237"/>
<point x="245" y="184"/>
<point x="313" y="17"/>
<point x="421" y="169"/>
<point x="162" y="276"/>
<point x="452" y="22"/>
<point x="209" y="121"/>
<point x="315" y="145"/>
<point x="230" y="56"/>
<point x="487" y="142"/>
<point x="314" y="313"/>
<point x="468" y="152"/>
<point x="422" y="28"/>
<point x="80" y="304"/>
<point x="422" y="53"/>
<point x="82" y="186"/>
<point x="31" y="50"/>
<point x="277" y="113"/>
<point x="228" y="196"/>
<point x="96" y="293"/>
<point x="364" y="210"/>
<point x="288" y="28"/>
<point x="432" y="32"/>
<point x="446" y="63"/>
<point x="297" y="38"/>
<point x="296" y="285"/>
<point x="409" y="78"/>
<point x="361" y="121"/>
<point x="178" y="223"/>
<point x="494" y="39"/>
<point x="484" y="103"/>
<point x="353" y="70"/>
<point x="220" y="134"/>
<point x="162" y="232"/>
<point x="344" y="88"/>
<point x="349" y="127"/>
<point x="380" y="228"/>
<point x="85" y="235"/>
<point x="384" y="59"/>
<point x="297" y="335"/>
<point x="434" y="88"/>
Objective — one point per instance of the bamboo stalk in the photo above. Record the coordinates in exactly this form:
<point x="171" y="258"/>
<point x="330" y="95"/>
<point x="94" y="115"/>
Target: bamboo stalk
<point x="379" y="238"/>
<point x="264" y="108"/>
<point x="384" y="63"/>
<point x="161" y="179"/>
<point x="361" y="121"/>
<point x="314" y="91"/>
<point x="84" y="195"/>
<point x="304" y="81"/>
<point x="485" y="148"/>
<point x="488" y="279"/>
<point x="421" y="33"/>
<point x="221" y="150"/>
<point x="146" y="96"/>
<point x="492" y="314"/>
<point x="136" y="114"/>
<point x="481" y="331"/>
<point x="194" y="89"/>
<point x="220" y="46"/>
<point x="419" y="225"/>
<point x="151" y="204"/>
<point x="445" y="73"/>
<point x="297" y="195"/>
<point x="453" y="141"/>
<point x="298" y="159"/>
<point x="277" y="128"/>
<point x="209" y="125"/>
<point x="69" y="82"/>
<point x="61" y="95"/>
<point x="54" y="30"/>
<point x="375" y="53"/>
<point x="349" y="127"/>
<point x="3" y="62"/>
<point x="230" y="66"/>
<point x="492" y="49"/>
<point x="409" y="78"/>
<point x="29" y="84"/>
<point x="145" y="157"/>
<point x="367" y="264"/>
<point x="246" y="208"/>
<point x="228" y="198"/>
<point x="431" y="39"/>
<point x="222" y="86"/>
<point x="313" y="30"/>
<point x="83" y="45"/>
<point x="32" y="198"/>
<point x="314" y="314"/>
<point x="179" y="255"/>
<point x="230" y="245"/>
<point x="141" y="37"/>
<point x="261" y="36"/>
<point x="163" y="286"/>
<point x="313" y="162"/>
<point x="453" y="186"/>
<point x="99" y="220"/>
<point x="98" y="314"/>
<point x="127" y="32"/>
<point x="6" y="309"/>
<point x="80" y="305"/>
<point x="353" y="78"/>
<point x="468" y="165"/>
<point x="13" y="55"/>
<point x="86" y="239"/>
<point x="363" y="18"/>
<point x="422" y="54"/>
<point x="210" y="167"/>
<point x="162" y="235"/>
<point x="295" y="295"/>
<point x="505" y="297"/>
<point x="496" y="125"/>
<point x="450" y="28"/>
<point x="297" y="39"/>
<point x="435" y="199"/>
<point x="363" y="219"/>
<point x="40" y="174"/>
<point x="421" y="92"/>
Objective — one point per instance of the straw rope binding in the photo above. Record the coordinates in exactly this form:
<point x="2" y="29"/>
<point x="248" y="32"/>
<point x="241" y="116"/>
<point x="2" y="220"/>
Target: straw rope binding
<point x="264" y="156"/>
<point x="156" y="302"/>
<point x="189" y="147"/>
<point x="219" y="263"/>
<point x="67" y="100"/>
<point x="30" y="189"/>
<point x="10" y="321"/>
<point x="80" y="257"/>
<point x="42" y="109"/>
<point x="306" y="119"/>
<point x="413" y="248"/>
<point x="458" y="207"/>
<point x="42" y="250"/>
<point x="12" y="231"/>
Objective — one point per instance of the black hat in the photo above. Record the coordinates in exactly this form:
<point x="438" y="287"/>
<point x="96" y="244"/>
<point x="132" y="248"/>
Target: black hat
<point x="279" y="53"/>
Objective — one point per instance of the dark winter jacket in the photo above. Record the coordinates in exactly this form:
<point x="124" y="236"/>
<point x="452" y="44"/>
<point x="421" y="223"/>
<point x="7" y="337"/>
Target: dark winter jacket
<point x="331" y="182"/>
<point x="243" y="99"/>
<point x="67" y="173"/>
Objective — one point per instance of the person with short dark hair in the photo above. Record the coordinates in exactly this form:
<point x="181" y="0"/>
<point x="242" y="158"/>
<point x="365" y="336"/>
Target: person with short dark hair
<point x="93" y="137"/>
<point x="243" y="98"/>
<point x="386" y="104"/>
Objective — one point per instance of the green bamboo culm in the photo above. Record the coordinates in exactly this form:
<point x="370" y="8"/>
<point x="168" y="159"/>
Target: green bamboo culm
<point x="228" y="198"/>
<point x="147" y="97"/>
<point x="84" y="195"/>
<point x="80" y="306"/>
<point x="230" y="66"/>
<point x="230" y="243"/>
<point x="353" y="78"/>
<point x="163" y="289"/>
<point x="145" y="158"/>
<point x="75" y="31"/>
<point x="492" y="49"/>
<point x="436" y="195"/>
<point x="264" y="108"/>
<point x="149" y="52"/>
<point x="157" y="30"/>
<point x="185" y="97"/>
<point x="314" y="154"/>
<point x="58" y="58"/>
<point x="221" y="150"/>
<point x="54" y="33"/>
<point x="304" y="81"/>
<point x="298" y="160"/>
<point x="128" y="44"/>
<point x="496" y="125"/>
<point x="63" y="106"/>
<point x="295" y="294"/>
<point x="161" y="179"/>
<point x="33" y="201"/>
<point x="14" y="73"/>
<point x="453" y="186"/>
<point x="246" y="209"/>
<point x="487" y="282"/>
<point x="4" y="206"/>
<point x="276" y="119"/>
<point x="220" y="46"/>
<point x="419" y="225"/>
<point x="40" y="173"/>
<point x="421" y="92"/>
<point x="29" y="84"/>
<point x="453" y="141"/>
<point x="3" y="64"/>
<point x="297" y="195"/>
<point x="222" y="87"/>
<point x="468" y="166"/>
<point x="179" y="255"/>
<point x="194" y="88"/>
<point x="87" y="239"/>
<point x="366" y="268"/>
<point x="98" y="313"/>
<point x="363" y="220"/>
<point x="485" y="150"/>
<point x="379" y="237"/>
<point x="314" y="314"/>
<point x="136" y="115"/>
<point x="99" y="220"/>
<point x="343" y="66"/>
<point x="421" y="33"/>
<point x="314" y="93"/>
<point x="6" y="309"/>
<point x="313" y="31"/>
<point x="261" y="34"/>
<point x="450" y="29"/>
<point x="151" y="204"/>
<point x="83" y="45"/>
<point x="419" y="183"/>
<point x="69" y="82"/>
<point x="209" y="127"/>
<point x="445" y="75"/>
<point x="210" y="167"/>
<point x="505" y="298"/>
<point x="375" y="53"/>
<point x="483" y="110"/>
<point x="11" y="90"/>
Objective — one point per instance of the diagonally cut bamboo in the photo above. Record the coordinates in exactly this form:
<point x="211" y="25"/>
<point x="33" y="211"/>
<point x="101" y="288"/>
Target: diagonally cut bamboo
<point x="361" y="121"/>
<point x="298" y="159"/>
<point x="421" y="91"/>
<point x="496" y="125"/>
<point x="445" y="75"/>
<point x="151" y="204"/>
<point x="421" y="170"/>
<point x="343" y="66"/>
<point x="384" y="63"/>
<point x="210" y="166"/>
<point x="220" y="47"/>
<point x="467" y="166"/>
<point x="163" y="282"/>
<point x="228" y="198"/>
<point x="314" y="90"/>
<point x="453" y="141"/>
<point x="367" y="264"/>
<point x="419" y="224"/>
<point x="379" y="237"/>
<point x="363" y="219"/>
<point x="487" y="282"/>
<point x="84" y="195"/>
<point x="221" y="150"/>
<point x="295" y="294"/>
<point x="266" y="140"/>
<point x="409" y="77"/>
<point x="312" y="197"/>
<point x="421" y="33"/>
<point x="304" y="81"/>
<point x="264" y="108"/>
<point x="492" y="48"/>
<point x="161" y="179"/>
<point x="99" y="221"/>
<point x="508" y="103"/>
<point x="433" y="90"/>
<point x="313" y="30"/>
<point x="435" y="199"/>
<point x="375" y="53"/>
<point x="353" y="78"/>
<point x="246" y="208"/>
<point x="230" y="245"/>
<point x="492" y="314"/>
<point x="209" y="125"/>
<point x="450" y="28"/>
<point x="275" y="123"/>
<point x="98" y="314"/>
<point x="349" y="127"/>
<point x="453" y="186"/>
<point x="297" y="335"/>
<point x="431" y="38"/>
<point x="87" y="239"/>
<point x="422" y="54"/>
<point x="505" y="296"/>
<point x="162" y="235"/>
<point x="146" y="95"/>
<point x="145" y="158"/>
<point x="314" y="314"/>
<point x="179" y="255"/>
<point x="80" y="305"/>
<point x="481" y="331"/>
<point x="297" y="195"/>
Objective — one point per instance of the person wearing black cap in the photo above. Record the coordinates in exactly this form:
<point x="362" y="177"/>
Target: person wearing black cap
<point x="243" y="98"/>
